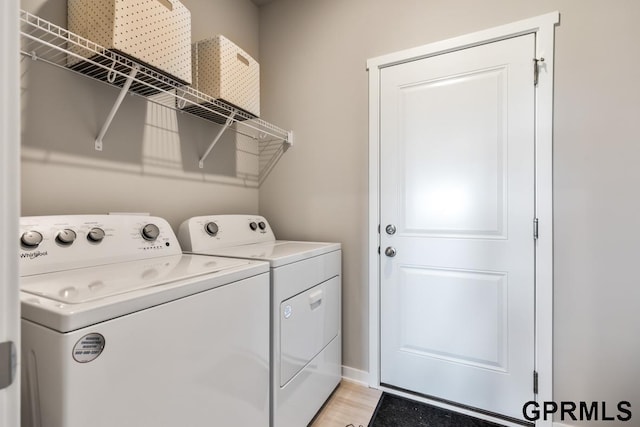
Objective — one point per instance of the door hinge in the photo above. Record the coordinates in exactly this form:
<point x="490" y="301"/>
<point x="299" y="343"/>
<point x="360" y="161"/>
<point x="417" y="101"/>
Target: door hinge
<point x="535" y="382"/>
<point x="536" y="70"/>
<point x="7" y="364"/>
<point x="535" y="228"/>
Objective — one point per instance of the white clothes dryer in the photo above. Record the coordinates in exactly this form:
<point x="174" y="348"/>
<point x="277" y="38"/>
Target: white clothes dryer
<point x="306" y="339"/>
<point x="120" y="328"/>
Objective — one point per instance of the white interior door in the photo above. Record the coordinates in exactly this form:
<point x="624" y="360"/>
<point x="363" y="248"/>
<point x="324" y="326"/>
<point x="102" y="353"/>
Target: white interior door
<point x="9" y="191"/>
<point x="457" y="184"/>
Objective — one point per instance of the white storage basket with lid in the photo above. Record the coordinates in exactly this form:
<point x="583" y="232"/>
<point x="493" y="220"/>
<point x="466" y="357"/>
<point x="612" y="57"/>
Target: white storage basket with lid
<point x="227" y="73"/>
<point x="156" y="33"/>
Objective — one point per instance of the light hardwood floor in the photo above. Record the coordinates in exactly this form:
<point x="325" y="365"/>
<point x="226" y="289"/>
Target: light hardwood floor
<point x="351" y="403"/>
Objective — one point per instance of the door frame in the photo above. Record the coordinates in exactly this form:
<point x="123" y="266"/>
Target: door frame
<point x="10" y="195"/>
<point x="543" y="27"/>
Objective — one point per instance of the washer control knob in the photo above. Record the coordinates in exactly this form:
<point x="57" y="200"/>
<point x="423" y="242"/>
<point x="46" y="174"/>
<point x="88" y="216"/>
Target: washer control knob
<point x="150" y="232"/>
<point x="95" y="235"/>
<point x="211" y="228"/>
<point x="262" y="225"/>
<point x="253" y="225"/>
<point x="31" y="239"/>
<point x="66" y="237"/>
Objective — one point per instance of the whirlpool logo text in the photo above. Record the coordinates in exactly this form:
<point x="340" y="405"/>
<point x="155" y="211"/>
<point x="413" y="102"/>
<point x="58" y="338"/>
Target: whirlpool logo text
<point x="33" y="255"/>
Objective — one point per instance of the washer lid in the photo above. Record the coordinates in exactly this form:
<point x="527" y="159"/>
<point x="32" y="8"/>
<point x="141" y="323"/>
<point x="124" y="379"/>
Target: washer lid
<point x="277" y="253"/>
<point x="69" y="300"/>
<point x="94" y="283"/>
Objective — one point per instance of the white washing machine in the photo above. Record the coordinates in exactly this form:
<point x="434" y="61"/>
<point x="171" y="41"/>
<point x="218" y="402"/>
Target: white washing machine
<point x="306" y="343"/>
<point x="119" y="328"/>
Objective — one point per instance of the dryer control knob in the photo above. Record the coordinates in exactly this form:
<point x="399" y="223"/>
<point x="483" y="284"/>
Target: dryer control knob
<point x="262" y="225"/>
<point x="66" y="237"/>
<point x="150" y="232"/>
<point x="211" y="228"/>
<point x="253" y="225"/>
<point x="95" y="235"/>
<point x="31" y="239"/>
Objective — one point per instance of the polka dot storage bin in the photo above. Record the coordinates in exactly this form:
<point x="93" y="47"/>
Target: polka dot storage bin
<point x="156" y="33"/>
<point x="224" y="71"/>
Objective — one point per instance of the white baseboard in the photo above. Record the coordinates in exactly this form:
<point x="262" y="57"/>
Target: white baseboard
<point x="355" y="375"/>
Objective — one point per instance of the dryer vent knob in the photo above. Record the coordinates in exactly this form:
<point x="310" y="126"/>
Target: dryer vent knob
<point x="31" y="239"/>
<point x="262" y="225"/>
<point x="95" y="235"/>
<point x="150" y="232"/>
<point x="211" y="228"/>
<point x="253" y="225"/>
<point x="66" y="237"/>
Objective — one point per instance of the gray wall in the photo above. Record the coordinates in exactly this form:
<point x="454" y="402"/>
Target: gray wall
<point x="314" y="82"/>
<point x="150" y="157"/>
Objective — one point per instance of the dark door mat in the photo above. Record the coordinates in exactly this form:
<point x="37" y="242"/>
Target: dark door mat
<point x="395" y="411"/>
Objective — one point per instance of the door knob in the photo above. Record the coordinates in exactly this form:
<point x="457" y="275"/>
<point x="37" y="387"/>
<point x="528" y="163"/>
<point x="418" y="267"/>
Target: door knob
<point x="390" y="229"/>
<point x="390" y="251"/>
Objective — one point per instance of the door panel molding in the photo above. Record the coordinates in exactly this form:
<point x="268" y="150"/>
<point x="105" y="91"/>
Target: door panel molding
<point x="543" y="27"/>
<point x="454" y="221"/>
<point x="446" y="286"/>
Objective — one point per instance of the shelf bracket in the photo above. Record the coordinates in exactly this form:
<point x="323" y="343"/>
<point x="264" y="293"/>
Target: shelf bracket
<point x="289" y="140"/>
<point x="116" y="106"/>
<point x="216" y="139"/>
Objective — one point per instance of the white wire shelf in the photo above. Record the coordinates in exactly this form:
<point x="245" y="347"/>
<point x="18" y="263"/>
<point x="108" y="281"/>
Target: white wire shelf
<point x="47" y="42"/>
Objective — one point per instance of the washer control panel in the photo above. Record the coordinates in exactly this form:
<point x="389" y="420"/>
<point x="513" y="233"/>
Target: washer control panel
<point x="204" y="233"/>
<point x="61" y="242"/>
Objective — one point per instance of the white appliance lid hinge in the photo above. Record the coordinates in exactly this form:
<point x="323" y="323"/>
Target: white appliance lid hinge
<point x="535" y="228"/>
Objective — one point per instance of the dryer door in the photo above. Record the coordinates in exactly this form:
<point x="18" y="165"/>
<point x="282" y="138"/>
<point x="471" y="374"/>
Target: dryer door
<point x="308" y="322"/>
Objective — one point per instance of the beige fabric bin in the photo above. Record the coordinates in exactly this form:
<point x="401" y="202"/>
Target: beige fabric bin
<point x="224" y="71"/>
<point x="156" y="33"/>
